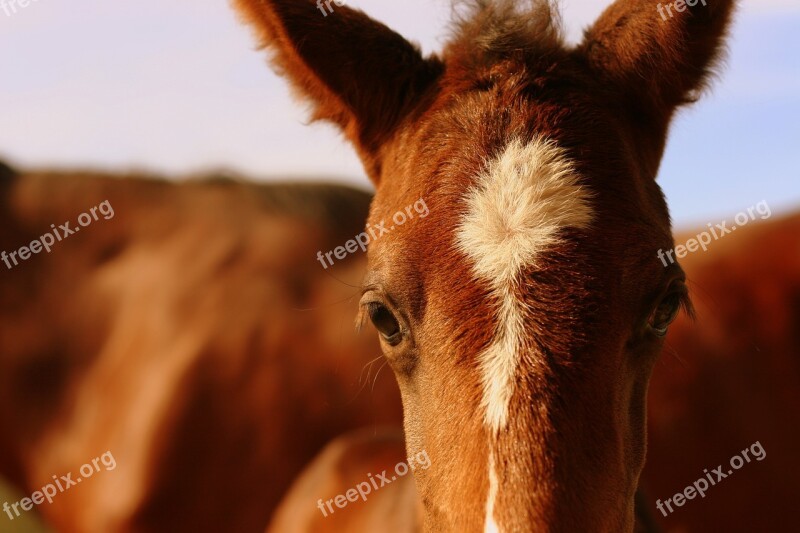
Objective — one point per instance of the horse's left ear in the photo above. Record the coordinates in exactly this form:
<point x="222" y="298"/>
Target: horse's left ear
<point x="355" y="71"/>
<point x="659" y="53"/>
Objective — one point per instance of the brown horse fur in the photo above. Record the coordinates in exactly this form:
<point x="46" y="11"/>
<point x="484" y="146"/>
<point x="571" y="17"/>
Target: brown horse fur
<point x="520" y="316"/>
<point x="193" y="335"/>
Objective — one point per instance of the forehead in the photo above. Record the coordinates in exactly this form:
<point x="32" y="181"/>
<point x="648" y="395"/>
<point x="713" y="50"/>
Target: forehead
<point x="498" y="215"/>
<point x="511" y="159"/>
<point x="507" y="197"/>
<point x="476" y="113"/>
<point x="511" y="113"/>
<point x="517" y="208"/>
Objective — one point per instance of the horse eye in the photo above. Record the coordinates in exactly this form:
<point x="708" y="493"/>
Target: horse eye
<point x="384" y="322"/>
<point x="665" y="313"/>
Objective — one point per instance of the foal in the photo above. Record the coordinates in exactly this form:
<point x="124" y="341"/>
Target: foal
<point x="523" y="316"/>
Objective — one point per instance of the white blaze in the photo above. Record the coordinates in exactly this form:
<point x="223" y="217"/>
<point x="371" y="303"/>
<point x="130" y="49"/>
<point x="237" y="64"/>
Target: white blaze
<point x="515" y="211"/>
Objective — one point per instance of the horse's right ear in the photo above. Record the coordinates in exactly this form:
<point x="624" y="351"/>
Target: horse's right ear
<point x="659" y="52"/>
<point x="355" y="71"/>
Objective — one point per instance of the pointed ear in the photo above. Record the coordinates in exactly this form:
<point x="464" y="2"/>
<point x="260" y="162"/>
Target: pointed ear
<point x="355" y="71"/>
<point x="660" y="54"/>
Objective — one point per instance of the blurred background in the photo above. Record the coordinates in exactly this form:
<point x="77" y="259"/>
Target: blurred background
<point x="177" y="89"/>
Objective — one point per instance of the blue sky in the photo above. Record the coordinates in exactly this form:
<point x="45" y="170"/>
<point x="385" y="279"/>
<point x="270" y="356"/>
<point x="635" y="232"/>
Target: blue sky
<point x="164" y="87"/>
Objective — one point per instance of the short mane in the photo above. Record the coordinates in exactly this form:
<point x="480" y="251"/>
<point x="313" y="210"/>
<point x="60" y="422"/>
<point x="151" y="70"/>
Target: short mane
<point x="501" y="28"/>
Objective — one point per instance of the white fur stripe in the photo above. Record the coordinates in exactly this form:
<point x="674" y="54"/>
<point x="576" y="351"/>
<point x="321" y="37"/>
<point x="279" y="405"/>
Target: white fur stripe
<point x="490" y="525"/>
<point x="499" y="360"/>
<point x="516" y="210"/>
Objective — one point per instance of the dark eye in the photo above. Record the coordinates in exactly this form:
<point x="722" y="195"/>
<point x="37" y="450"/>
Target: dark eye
<point x="384" y="322"/>
<point x="665" y="313"/>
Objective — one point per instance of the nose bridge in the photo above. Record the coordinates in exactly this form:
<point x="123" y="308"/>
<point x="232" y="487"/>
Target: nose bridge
<point x="564" y="457"/>
<point x="521" y="472"/>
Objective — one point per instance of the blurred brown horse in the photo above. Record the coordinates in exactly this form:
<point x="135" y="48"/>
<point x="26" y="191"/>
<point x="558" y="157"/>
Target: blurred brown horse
<point x="192" y="334"/>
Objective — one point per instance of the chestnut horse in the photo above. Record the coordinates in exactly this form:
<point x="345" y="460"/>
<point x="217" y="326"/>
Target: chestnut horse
<point x="522" y="317"/>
